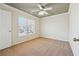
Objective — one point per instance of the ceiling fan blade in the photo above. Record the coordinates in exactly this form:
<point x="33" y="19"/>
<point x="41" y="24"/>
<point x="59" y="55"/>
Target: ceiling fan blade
<point x="35" y="11"/>
<point x="46" y="13"/>
<point x="49" y="8"/>
<point x="40" y="6"/>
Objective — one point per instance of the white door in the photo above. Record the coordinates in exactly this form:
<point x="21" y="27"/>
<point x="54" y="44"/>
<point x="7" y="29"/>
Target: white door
<point x="5" y="29"/>
<point x="74" y="27"/>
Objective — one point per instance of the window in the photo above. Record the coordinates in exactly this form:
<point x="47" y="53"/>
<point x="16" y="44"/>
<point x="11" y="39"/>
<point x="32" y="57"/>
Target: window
<point x="31" y="26"/>
<point x="25" y="26"/>
<point x="22" y="22"/>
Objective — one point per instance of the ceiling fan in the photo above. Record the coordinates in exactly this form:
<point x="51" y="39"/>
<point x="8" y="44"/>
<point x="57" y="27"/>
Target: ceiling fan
<point x="42" y="10"/>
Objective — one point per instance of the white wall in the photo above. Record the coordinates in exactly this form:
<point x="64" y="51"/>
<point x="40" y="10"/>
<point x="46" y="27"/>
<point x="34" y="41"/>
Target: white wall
<point x="74" y="27"/>
<point x="55" y="27"/>
<point x="15" y="13"/>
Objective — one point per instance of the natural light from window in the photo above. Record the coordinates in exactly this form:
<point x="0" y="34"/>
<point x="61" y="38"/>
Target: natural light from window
<point x="25" y="26"/>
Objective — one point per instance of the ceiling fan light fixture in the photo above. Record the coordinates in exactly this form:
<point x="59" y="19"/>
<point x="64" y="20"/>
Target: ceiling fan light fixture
<point x="42" y="13"/>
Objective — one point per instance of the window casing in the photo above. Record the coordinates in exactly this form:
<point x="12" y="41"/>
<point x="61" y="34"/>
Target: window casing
<point x="25" y="26"/>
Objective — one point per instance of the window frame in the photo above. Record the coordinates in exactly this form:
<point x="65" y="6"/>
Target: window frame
<point x="25" y="26"/>
<point x="27" y="19"/>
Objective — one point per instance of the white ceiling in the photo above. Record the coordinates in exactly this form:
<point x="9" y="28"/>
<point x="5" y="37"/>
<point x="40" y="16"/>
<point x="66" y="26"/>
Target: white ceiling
<point x="28" y="7"/>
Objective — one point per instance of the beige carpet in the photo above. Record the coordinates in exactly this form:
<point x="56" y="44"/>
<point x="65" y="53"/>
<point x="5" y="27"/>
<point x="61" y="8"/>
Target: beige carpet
<point x="39" y="47"/>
